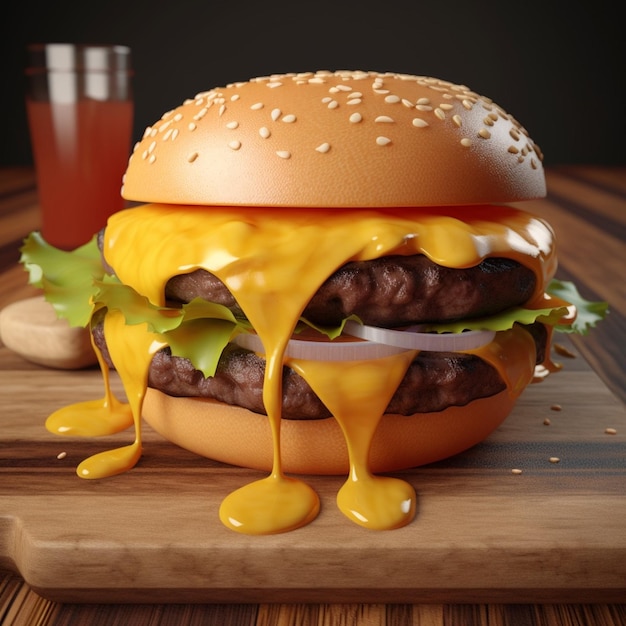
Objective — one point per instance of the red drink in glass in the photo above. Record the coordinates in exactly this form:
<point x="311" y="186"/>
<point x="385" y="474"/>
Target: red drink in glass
<point x="81" y="152"/>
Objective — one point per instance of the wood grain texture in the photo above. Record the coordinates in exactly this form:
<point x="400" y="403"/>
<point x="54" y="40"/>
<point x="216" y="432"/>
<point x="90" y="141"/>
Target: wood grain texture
<point x="484" y="540"/>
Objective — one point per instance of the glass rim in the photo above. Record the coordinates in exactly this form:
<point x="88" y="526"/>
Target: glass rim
<point x="71" y="57"/>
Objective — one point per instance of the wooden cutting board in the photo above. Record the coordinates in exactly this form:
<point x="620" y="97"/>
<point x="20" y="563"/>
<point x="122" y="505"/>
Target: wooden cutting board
<point x="554" y="533"/>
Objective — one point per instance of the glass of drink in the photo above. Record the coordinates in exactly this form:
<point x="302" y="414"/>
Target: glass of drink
<point x="80" y="113"/>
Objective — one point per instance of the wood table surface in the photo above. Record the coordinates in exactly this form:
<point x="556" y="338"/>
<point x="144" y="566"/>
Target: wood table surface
<point x="587" y="207"/>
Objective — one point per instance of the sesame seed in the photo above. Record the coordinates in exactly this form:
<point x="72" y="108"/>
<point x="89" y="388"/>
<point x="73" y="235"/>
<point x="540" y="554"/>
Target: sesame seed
<point x="516" y="471"/>
<point x="355" y="118"/>
<point x="234" y="145"/>
<point x="343" y="88"/>
<point x="423" y="107"/>
<point x="440" y="113"/>
<point x="178" y="117"/>
<point x="289" y="119"/>
<point x="175" y="133"/>
<point x="533" y="164"/>
<point x="355" y="94"/>
<point x="192" y="157"/>
<point x="382" y="92"/>
<point x="192" y="126"/>
<point x="275" y="114"/>
<point x="200" y="114"/>
<point x="323" y="148"/>
<point x="384" y="119"/>
<point x="61" y="455"/>
<point x="484" y="133"/>
<point x="167" y="135"/>
<point x="326" y="99"/>
<point x="354" y="101"/>
<point x="235" y="97"/>
<point x="333" y="104"/>
<point x="232" y="125"/>
<point x="457" y="120"/>
<point x="466" y="142"/>
<point x="257" y="106"/>
<point x="513" y="150"/>
<point x="514" y="134"/>
<point x="392" y="99"/>
<point x="610" y="431"/>
<point x="274" y="84"/>
<point x="468" y="104"/>
<point x="152" y="158"/>
<point x="264" y="132"/>
<point x="446" y="106"/>
<point x="488" y="121"/>
<point x="418" y="122"/>
<point x="151" y="147"/>
<point x="423" y="101"/>
<point x="383" y="141"/>
<point x="283" y="154"/>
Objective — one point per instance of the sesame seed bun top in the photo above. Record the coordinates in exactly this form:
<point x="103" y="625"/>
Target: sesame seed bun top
<point x="343" y="139"/>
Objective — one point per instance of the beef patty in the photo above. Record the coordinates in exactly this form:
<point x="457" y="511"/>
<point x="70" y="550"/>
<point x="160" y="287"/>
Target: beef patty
<point x="433" y="382"/>
<point x="391" y="291"/>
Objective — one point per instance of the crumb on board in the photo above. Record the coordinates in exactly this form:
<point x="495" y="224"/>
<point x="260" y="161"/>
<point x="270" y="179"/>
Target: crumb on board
<point x="547" y="421"/>
<point x="516" y="471"/>
<point x="554" y="459"/>
<point x="556" y="407"/>
<point x="61" y="455"/>
<point x="610" y="431"/>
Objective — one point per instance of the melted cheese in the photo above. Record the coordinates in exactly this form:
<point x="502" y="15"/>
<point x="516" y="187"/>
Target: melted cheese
<point x="273" y="261"/>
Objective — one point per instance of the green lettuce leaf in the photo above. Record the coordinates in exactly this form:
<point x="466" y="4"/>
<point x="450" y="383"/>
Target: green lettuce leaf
<point x="588" y="313"/>
<point x="332" y="332"/>
<point x="202" y="341"/>
<point x="501" y="321"/>
<point x="67" y="278"/>
<point x="76" y="284"/>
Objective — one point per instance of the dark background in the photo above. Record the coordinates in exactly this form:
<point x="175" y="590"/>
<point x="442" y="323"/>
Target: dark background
<point x="556" y="66"/>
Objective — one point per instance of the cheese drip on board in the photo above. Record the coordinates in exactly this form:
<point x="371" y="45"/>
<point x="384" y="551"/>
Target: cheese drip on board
<point x="357" y="394"/>
<point x="273" y="261"/>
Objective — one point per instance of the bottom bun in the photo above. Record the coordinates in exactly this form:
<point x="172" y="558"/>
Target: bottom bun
<point x="240" y="437"/>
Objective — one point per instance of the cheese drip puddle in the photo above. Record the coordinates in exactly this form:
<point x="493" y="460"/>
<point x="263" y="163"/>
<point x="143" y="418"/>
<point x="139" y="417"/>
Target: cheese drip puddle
<point x="273" y="261"/>
<point x="93" y="418"/>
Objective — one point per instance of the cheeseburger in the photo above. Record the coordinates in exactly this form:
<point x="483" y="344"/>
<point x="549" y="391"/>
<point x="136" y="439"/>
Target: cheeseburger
<point x="326" y="275"/>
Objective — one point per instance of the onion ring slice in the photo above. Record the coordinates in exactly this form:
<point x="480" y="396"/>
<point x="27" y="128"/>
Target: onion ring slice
<point x="337" y="350"/>
<point x="414" y="340"/>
